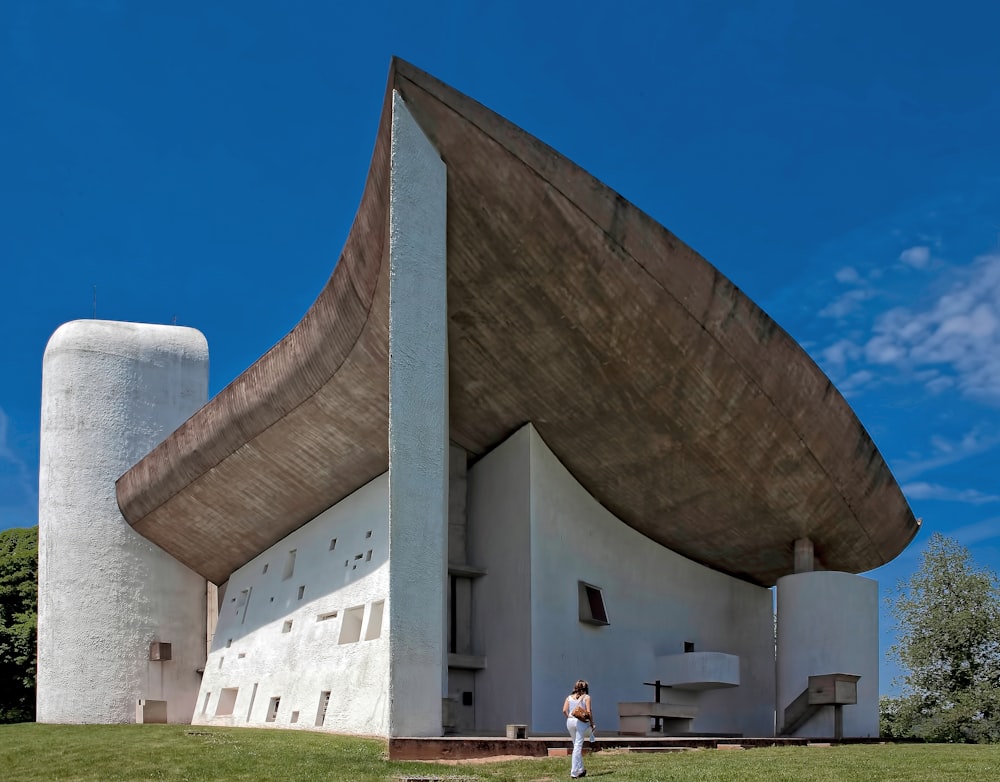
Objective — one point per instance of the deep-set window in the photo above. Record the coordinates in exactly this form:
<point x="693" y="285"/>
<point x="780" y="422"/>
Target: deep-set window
<point x="592" y="609"/>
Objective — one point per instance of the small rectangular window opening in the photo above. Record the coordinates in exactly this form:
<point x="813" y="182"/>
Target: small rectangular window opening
<point x="688" y="647"/>
<point x="241" y="606"/>
<point x="368" y="556"/>
<point x="287" y="626"/>
<point x="272" y="709"/>
<point x="350" y="628"/>
<point x="289" y="565"/>
<point x="333" y="543"/>
<point x="324" y="702"/>
<point x="327" y="616"/>
<point x="368" y="534"/>
<point x="295" y="717"/>
<point x="374" y="629"/>
<point x="253" y="697"/>
<point x="227" y="699"/>
<point x="591" y="605"/>
<point x="265" y="568"/>
<point x="302" y="591"/>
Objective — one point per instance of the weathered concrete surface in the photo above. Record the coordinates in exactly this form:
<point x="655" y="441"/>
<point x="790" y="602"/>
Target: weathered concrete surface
<point x="669" y="395"/>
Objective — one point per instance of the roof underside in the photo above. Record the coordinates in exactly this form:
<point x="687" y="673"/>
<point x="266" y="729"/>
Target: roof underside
<point x="672" y="398"/>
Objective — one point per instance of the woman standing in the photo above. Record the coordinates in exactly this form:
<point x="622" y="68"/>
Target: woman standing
<point x="578" y="702"/>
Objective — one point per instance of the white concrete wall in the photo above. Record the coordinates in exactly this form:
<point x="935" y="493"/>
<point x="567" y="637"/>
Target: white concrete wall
<point x="656" y="600"/>
<point x="499" y="540"/>
<point x="254" y="654"/>
<point x="110" y="392"/>
<point x="828" y="623"/>
<point x="539" y="533"/>
<point x="418" y="429"/>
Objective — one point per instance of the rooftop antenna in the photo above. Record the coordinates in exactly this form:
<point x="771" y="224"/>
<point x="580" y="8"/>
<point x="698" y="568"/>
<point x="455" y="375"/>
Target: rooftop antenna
<point x="95" y="302"/>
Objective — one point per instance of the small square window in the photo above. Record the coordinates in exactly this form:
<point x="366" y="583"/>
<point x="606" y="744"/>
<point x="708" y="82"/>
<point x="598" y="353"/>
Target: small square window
<point x="591" y="605"/>
<point x="287" y="626"/>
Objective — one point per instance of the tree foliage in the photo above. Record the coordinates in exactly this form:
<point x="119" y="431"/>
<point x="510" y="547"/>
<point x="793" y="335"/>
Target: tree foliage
<point x="18" y="623"/>
<point x="948" y="618"/>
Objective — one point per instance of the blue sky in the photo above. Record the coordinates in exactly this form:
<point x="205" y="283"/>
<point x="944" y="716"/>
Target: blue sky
<point x="200" y="163"/>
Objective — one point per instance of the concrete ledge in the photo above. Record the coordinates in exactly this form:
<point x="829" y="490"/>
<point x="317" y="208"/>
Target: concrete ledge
<point x="699" y="670"/>
<point x="651" y="709"/>
<point x="468" y="747"/>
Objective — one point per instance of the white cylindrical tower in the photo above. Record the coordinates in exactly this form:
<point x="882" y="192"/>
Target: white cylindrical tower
<point x="110" y="392"/>
<point x="828" y="623"/>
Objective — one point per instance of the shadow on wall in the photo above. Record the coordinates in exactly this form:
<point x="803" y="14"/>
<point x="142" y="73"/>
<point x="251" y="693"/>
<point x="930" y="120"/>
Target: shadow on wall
<point x="298" y="580"/>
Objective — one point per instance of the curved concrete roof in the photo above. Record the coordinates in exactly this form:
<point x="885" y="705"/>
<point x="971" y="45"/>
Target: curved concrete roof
<point x="676" y="401"/>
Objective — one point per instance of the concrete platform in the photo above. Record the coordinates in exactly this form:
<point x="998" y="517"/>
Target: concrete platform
<point x="468" y="747"/>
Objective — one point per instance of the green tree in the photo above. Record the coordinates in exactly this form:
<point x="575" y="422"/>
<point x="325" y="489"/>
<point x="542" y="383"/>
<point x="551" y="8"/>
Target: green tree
<point x="948" y="622"/>
<point x="18" y="623"/>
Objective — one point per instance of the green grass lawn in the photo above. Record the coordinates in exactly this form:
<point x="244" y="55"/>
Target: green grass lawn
<point x="119" y="753"/>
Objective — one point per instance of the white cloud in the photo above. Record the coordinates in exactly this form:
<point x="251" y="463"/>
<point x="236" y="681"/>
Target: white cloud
<point x="856" y="381"/>
<point x="938" y="385"/>
<point x="884" y="350"/>
<point x="917" y="257"/>
<point x="17" y="489"/>
<point x="946" y="451"/>
<point x="931" y="491"/>
<point x="846" y="303"/>
<point x="840" y="352"/>
<point x="848" y="275"/>
<point x="977" y="532"/>
<point x="6" y="454"/>
<point x="958" y="334"/>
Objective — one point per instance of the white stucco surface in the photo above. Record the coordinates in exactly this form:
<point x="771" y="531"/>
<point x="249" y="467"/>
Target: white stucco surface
<point x="828" y="623"/>
<point x="499" y="540"/>
<point x="294" y="627"/>
<point x="539" y="533"/>
<point x="418" y="430"/>
<point x="110" y="392"/>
